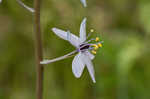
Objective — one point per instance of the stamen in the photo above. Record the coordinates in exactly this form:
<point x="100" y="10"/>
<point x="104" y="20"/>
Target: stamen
<point x="89" y="34"/>
<point x="93" y="52"/>
<point x="99" y="44"/>
<point x="97" y="39"/>
<point x="95" y="46"/>
<point x="92" y="30"/>
<point x="89" y="40"/>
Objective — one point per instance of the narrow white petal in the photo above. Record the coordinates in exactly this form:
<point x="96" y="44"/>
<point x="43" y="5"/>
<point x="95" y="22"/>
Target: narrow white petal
<point x="89" y="65"/>
<point x="77" y="65"/>
<point x="84" y="3"/>
<point x="91" y="56"/>
<point x="25" y="6"/>
<point x="0" y="1"/>
<point x="83" y="31"/>
<point x="74" y="40"/>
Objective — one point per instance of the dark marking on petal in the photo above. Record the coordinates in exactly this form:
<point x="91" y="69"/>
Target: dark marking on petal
<point x="84" y="47"/>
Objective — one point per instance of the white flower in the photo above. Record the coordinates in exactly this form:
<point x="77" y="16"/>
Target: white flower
<point x="84" y="3"/>
<point x="0" y="1"/>
<point x="84" y="57"/>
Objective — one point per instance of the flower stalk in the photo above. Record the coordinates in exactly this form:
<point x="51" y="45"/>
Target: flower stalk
<point x="25" y="6"/>
<point x="59" y="58"/>
<point x="38" y="50"/>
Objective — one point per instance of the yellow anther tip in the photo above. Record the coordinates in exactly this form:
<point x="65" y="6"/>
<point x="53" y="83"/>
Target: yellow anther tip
<point x="95" y="46"/>
<point x="92" y="30"/>
<point x="100" y="45"/>
<point x="97" y="39"/>
<point x="94" y="52"/>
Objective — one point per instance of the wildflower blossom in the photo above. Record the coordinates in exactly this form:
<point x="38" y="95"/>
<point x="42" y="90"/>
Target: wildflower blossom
<point x="83" y="48"/>
<point x="0" y="1"/>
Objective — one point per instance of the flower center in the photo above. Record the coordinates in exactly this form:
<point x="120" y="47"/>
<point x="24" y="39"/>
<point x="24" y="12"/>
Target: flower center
<point x="92" y="47"/>
<point x="84" y="47"/>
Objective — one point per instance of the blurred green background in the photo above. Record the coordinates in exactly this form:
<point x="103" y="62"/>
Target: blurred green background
<point x="122" y="66"/>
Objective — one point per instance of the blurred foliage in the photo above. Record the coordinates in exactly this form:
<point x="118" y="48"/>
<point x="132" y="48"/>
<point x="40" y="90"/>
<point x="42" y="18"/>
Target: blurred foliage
<point x="122" y="65"/>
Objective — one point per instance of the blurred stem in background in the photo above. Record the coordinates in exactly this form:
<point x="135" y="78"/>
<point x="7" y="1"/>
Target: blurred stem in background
<point x="38" y="50"/>
<point x="122" y="87"/>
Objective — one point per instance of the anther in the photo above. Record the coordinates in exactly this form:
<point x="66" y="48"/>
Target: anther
<point x="97" y="39"/>
<point x="93" y="52"/>
<point x="95" y="46"/>
<point x="91" y="30"/>
<point x="99" y="44"/>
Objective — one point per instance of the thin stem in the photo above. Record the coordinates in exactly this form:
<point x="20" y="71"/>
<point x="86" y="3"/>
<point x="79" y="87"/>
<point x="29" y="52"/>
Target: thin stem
<point x="38" y="50"/>
<point x="59" y="58"/>
<point x="25" y="6"/>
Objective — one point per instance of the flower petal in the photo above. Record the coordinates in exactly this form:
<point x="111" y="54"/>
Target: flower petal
<point x="77" y="65"/>
<point x="89" y="65"/>
<point x="83" y="31"/>
<point x="74" y="40"/>
<point x="91" y="56"/>
<point x="84" y="3"/>
<point x="0" y="1"/>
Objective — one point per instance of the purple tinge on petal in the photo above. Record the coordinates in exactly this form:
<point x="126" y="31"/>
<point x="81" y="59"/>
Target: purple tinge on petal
<point x="78" y="50"/>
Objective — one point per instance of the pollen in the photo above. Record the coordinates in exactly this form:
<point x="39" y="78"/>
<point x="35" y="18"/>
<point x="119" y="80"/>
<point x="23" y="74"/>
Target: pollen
<point x="99" y="44"/>
<point x="97" y="39"/>
<point x="92" y="30"/>
<point x="93" y="52"/>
